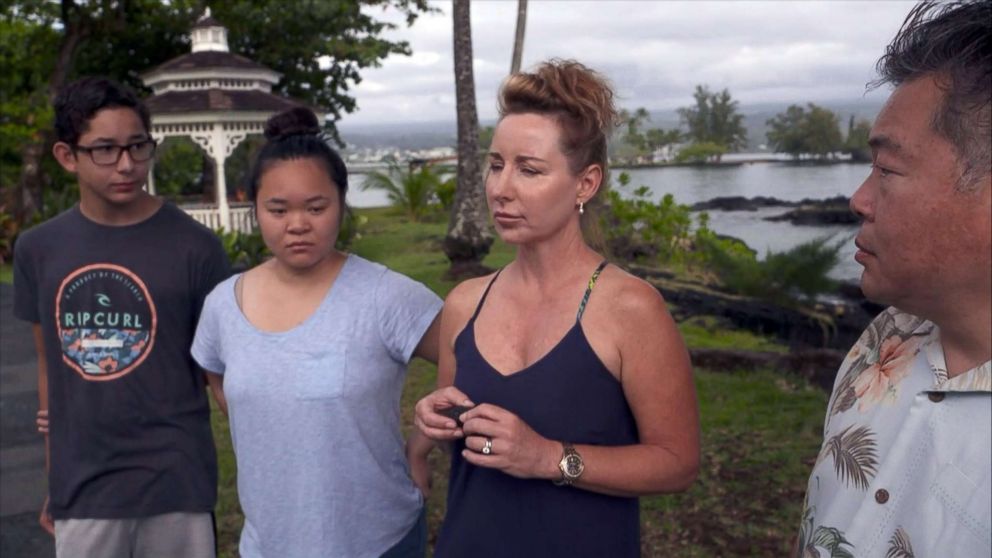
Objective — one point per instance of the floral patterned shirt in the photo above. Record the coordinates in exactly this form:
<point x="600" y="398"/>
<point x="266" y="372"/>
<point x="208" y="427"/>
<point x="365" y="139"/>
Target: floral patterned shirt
<point x="907" y="452"/>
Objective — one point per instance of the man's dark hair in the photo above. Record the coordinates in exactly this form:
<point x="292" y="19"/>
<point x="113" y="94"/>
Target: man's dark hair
<point x="951" y="41"/>
<point x="76" y="104"/>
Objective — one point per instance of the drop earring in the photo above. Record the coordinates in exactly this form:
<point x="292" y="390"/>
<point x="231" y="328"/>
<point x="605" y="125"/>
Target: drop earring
<point x="582" y="208"/>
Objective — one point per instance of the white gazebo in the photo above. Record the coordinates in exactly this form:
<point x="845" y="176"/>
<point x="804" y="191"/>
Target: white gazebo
<point x="216" y="98"/>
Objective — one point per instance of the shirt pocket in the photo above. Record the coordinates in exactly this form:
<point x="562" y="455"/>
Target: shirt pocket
<point x="963" y="515"/>
<point x="322" y="375"/>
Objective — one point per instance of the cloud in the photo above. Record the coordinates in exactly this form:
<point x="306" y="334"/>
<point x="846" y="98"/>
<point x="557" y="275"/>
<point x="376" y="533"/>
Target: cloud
<point x="654" y="52"/>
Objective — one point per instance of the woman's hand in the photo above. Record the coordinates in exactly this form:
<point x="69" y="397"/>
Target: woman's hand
<point x="513" y="447"/>
<point x="42" y="422"/>
<point x="436" y="426"/>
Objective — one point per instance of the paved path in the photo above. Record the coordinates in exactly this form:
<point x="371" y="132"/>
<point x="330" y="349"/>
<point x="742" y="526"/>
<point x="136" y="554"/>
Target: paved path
<point x="22" y="450"/>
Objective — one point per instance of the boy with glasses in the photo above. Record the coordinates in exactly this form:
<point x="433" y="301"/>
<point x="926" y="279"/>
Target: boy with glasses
<point x="114" y="288"/>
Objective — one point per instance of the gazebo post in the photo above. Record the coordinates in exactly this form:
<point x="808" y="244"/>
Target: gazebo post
<point x="220" y="181"/>
<point x="151" y="177"/>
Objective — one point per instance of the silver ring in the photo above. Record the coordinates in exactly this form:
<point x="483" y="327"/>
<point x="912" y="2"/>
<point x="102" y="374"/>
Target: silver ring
<point x="488" y="447"/>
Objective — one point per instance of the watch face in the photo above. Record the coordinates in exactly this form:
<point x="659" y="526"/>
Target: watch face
<point x="573" y="465"/>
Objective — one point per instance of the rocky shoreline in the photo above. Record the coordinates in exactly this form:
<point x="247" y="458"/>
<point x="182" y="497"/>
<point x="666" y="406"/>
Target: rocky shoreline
<point x="818" y="337"/>
<point x="816" y="212"/>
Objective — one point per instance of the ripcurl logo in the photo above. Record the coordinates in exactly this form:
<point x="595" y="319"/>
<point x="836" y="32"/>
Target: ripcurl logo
<point x="106" y="321"/>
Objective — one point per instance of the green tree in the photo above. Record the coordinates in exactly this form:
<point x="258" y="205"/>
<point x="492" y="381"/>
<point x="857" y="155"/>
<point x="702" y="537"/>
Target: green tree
<point x="411" y="190"/>
<point x="638" y="140"/>
<point x="798" y="131"/>
<point x="714" y="119"/>
<point x="700" y="152"/>
<point x="486" y="137"/>
<point x="856" y="144"/>
<point x="331" y="43"/>
<point x="177" y="167"/>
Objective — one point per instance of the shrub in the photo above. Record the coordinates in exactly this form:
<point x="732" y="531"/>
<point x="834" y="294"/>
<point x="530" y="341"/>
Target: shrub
<point x="410" y="190"/>
<point x="788" y="278"/>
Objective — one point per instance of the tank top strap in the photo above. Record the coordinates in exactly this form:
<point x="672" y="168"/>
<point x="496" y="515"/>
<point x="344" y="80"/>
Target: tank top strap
<point x="485" y="294"/>
<point x="592" y="283"/>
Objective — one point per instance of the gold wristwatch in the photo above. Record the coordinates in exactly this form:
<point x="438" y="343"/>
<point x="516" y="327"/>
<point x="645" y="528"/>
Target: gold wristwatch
<point x="571" y="465"/>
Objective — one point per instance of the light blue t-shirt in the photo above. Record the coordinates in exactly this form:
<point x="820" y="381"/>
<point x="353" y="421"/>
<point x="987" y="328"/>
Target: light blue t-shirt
<point x="315" y="414"/>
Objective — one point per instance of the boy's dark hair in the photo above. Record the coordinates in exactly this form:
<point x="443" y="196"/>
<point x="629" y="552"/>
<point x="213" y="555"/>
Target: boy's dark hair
<point x="951" y="41"/>
<point x="76" y="104"/>
<point x="296" y="134"/>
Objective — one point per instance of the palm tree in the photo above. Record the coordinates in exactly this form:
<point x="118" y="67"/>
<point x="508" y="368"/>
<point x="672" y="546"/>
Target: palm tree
<point x="518" y="39"/>
<point x="411" y="190"/>
<point x="469" y="238"/>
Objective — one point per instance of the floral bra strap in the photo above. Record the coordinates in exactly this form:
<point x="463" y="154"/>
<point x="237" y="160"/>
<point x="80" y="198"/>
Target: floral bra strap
<point x="592" y="283"/>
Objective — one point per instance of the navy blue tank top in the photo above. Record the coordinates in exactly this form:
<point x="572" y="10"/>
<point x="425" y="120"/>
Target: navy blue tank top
<point x="567" y="395"/>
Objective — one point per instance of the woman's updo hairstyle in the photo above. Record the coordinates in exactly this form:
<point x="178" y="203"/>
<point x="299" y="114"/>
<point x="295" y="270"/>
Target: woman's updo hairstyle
<point x="580" y="99"/>
<point x="296" y="134"/>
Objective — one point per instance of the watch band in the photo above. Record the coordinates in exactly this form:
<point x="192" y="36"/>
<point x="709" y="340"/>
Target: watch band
<point x="568" y="452"/>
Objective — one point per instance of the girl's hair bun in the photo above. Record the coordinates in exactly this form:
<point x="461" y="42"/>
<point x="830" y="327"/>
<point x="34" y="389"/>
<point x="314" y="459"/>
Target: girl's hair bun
<point x="296" y="121"/>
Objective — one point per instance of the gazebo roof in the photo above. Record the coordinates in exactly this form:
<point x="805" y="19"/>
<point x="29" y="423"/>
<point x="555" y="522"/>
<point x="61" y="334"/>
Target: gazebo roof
<point x="205" y="100"/>
<point x="208" y="59"/>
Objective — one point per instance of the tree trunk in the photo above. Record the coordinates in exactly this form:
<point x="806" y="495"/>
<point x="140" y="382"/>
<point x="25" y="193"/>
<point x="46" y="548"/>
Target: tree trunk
<point x="29" y="184"/>
<point x="518" y="39"/>
<point x="468" y="239"/>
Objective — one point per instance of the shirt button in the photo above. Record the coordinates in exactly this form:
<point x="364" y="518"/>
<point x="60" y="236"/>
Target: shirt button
<point x="936" y="396"/>
<point x="881" y="495"/>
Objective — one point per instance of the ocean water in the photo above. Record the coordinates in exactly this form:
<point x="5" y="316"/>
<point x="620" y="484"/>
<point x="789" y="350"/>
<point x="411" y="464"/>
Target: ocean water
<point x="782" y="180"/>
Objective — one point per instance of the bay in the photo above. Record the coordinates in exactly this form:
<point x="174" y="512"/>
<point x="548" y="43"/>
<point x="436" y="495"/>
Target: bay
<point x="779" y="179"/>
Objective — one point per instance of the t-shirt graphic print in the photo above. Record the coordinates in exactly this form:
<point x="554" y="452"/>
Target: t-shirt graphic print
<point x="106" y="321"/>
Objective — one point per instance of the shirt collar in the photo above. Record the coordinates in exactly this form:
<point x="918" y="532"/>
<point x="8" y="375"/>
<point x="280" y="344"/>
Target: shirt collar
<point x="978" y="379"/>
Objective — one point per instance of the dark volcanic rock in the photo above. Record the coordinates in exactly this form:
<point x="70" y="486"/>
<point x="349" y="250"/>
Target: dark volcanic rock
<point x="831" y="211"/>
<point x="829" y="326"/>
<point x="740" y="203"/>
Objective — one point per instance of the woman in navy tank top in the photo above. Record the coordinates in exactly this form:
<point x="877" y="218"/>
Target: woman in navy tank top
<point x="564" y="387"/>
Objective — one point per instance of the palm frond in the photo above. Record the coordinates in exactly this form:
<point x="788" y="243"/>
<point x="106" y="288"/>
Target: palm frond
<point x="900" y="545"/>
<point x="855" y="457"/>
<point x="378" y="180"/>
<point x="833" y="540"/>
<point x="846" y="398"/>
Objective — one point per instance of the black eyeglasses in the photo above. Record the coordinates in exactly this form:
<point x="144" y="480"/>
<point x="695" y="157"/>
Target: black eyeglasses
<point x="106" y="155"/>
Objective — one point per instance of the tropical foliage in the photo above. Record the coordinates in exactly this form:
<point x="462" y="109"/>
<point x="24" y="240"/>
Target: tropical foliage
<point x="813" y="130"/>
<point x="637" y="141"/>
<point x="828" y="538"/>
<point x="412" y="190"/>
<point x="700" y="152"/>
<point x="665" y="232"/>
<point x="796" y="276"/>
<point x="244" y="251"/>
<point x="900" y="546"/>
<point x="856" y="144"/>
<point x="714" y="119"/>
<point x="855" y="456"/>
<point x="44" y="45"/>
<point x="639" y="229"/>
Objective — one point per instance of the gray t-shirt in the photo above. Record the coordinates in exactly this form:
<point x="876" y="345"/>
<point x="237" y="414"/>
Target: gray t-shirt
<point x="315" y="414"/>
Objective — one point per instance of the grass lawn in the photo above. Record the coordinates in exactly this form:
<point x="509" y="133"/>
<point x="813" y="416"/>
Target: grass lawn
<point x="6" y="273"/>
<point x="761" y="431"/>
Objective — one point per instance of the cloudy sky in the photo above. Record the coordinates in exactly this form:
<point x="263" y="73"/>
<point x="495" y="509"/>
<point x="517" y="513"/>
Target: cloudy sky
<point x="654" y="51"/>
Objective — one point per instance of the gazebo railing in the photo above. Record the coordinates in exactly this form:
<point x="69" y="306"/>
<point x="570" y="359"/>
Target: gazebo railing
<point x="242" y="217"/>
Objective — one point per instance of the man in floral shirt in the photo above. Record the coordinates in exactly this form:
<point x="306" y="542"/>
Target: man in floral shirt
<point x="907" y="452"/>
